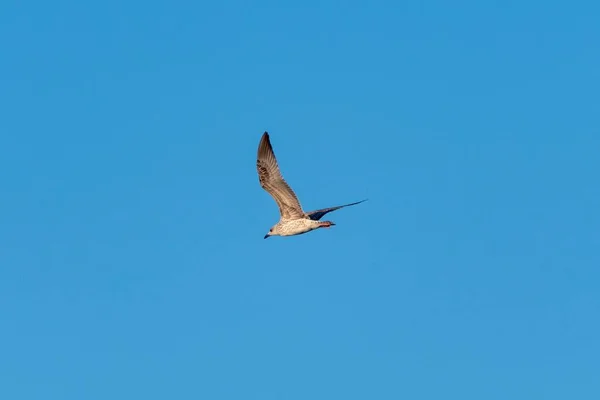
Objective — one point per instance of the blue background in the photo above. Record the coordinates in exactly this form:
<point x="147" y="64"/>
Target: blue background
<point x="132" y="259"/>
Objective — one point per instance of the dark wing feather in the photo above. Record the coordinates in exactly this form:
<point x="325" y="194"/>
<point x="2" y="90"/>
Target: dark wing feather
<point x="318" y="214"/>
<point x="272" y="181"/>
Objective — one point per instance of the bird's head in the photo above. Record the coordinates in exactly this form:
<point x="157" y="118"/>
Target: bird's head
<point x="274" y="231"/>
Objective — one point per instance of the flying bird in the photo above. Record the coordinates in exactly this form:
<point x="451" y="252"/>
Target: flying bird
<point x="292" y="221"/>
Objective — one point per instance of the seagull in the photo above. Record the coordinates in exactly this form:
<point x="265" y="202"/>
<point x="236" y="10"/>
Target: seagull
<point x="292" y="221"/>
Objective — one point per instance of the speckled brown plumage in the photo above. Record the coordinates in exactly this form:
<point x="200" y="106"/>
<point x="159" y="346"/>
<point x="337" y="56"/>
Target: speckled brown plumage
<point x="293" y="220"/>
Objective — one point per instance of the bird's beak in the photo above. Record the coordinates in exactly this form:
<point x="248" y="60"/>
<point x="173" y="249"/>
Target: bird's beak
<point x="266" y="236"/>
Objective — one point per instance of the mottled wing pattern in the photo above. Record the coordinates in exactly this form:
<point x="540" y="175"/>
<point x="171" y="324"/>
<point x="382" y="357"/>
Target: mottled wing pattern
<point x="318" y="214"/>
<point x="272" y="181"/>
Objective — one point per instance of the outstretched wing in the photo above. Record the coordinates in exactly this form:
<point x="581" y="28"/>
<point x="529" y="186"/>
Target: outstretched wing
<point x="318" y="214"/>
<point x="272" y="181"/>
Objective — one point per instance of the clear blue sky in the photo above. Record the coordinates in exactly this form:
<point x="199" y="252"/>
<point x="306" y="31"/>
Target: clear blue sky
<point x="132" y="259"/>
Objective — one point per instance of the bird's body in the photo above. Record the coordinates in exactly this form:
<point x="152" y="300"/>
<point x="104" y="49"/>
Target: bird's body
<point x="293" y="220"/>
<point x="291" y="227"/>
